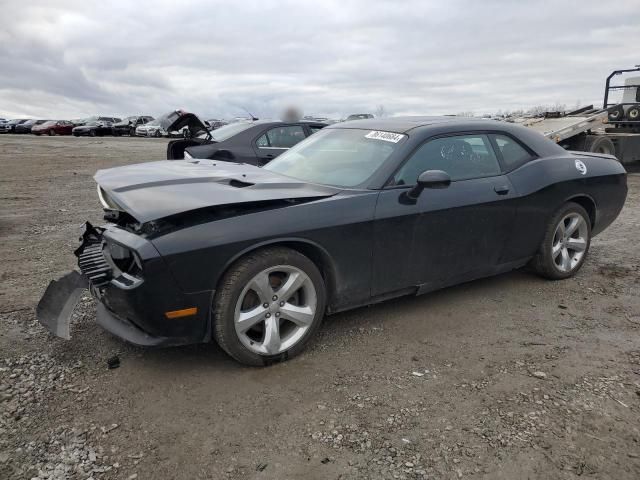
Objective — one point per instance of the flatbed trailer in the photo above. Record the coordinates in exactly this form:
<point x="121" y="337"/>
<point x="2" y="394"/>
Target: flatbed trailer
<point x="599" y="130"/>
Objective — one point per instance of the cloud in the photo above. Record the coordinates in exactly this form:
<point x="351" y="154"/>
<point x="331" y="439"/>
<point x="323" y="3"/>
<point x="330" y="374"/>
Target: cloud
<point x="72" y="59"/>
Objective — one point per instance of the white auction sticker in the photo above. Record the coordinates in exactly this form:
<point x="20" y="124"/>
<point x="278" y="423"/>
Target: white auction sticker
<point x="386" y="136"/>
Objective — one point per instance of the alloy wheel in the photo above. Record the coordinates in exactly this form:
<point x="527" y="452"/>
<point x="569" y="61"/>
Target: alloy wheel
<point x="569" y="242"/>
<point x="275" y="310"/>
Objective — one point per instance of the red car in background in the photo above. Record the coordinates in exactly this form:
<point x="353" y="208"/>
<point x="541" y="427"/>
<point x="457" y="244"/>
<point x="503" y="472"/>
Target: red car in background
<point x="53" y="127"/>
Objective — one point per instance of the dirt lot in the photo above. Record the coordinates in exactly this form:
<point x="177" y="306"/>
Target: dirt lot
<point x="505" y="378"/>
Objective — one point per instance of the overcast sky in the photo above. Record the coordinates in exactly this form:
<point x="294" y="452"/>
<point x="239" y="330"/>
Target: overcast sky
<point x="68" y="59"/>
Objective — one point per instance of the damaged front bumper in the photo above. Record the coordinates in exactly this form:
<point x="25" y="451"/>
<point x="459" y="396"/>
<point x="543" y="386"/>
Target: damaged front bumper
<point x="132" y="300"/>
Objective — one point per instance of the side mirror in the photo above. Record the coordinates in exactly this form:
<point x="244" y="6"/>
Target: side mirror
<point x="429" y="179"/>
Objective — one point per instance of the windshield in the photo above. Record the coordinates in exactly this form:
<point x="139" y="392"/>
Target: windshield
<point x="153" y="123"/>
<point x="228" y="131"/>
<point x="339" y="157"/>
<point x="48" y="123"/>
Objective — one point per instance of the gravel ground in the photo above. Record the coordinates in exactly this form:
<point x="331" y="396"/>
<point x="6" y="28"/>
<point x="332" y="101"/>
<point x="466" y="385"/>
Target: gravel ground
<point x="505" y="378"/>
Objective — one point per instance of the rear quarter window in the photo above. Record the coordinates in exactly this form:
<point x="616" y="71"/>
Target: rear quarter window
<point x="513" y="153"/>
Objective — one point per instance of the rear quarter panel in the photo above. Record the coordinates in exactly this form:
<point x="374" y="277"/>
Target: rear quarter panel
<point x="544" y="185"/>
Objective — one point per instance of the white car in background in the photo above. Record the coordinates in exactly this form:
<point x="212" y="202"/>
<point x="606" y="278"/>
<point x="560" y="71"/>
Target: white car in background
<point x="151" y="129"/>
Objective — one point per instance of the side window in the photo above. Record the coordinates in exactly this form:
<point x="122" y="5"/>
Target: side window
<point x="513" y="154"/>
<point x="314" y="128"/>
<point x="462" y="156"/>
<point x="284" y="137"/>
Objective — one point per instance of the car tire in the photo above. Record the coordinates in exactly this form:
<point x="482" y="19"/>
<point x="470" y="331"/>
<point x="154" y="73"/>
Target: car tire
<point x="272" y="329"/>
<point x="52" y="133"/>
<point x="92" y="133"/>
<point x="599" y="144"/>
<point x="616" y="113"/>
<point x="565" y="245"/>
<point x="633" y="113"/>
<point x="132" y="132"/>
<point x="76" y="134"/>
<point x="157" y="134"/>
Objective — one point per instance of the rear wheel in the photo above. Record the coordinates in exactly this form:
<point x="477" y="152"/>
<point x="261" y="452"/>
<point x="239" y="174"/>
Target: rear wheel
<point x="268" y="306"/>
<point x="599" y="144"/>
<point x="158" y="134"/>
<point x="565" y="244"/>
<point x="92" y="133"/>
<point x="52" y="132"/>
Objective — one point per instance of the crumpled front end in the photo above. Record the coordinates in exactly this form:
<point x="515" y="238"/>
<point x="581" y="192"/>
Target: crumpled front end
<point x="138" y="299"/>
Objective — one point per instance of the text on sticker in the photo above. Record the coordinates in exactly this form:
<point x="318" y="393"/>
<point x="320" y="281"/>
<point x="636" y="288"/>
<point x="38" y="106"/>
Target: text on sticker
<point x="386" y="136"/>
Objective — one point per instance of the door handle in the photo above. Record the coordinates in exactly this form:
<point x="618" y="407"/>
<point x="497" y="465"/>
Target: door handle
<point x="501" y="189"/>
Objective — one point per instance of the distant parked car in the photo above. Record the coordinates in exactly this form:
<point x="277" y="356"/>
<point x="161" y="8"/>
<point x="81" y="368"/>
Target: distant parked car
<point x="86" y="121"/>
<point x="252" y="142"/>
<point x="359" y="116"/>
<point x="214" y="123"/>
<point x="128" y="125"/>
<point x="53" y="127"/>
<point x="25" y="127"/>
<point x="92" y="129"/>
<point x="151" y="129"/>
<point x="10" y="126"/>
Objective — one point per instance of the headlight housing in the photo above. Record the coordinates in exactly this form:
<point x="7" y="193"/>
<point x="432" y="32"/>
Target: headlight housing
<point x="125" y="263"/>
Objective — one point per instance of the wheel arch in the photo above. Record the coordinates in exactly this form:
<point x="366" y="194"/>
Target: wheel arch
<point x="588" y="203"/>
<point x="312" y="250"/>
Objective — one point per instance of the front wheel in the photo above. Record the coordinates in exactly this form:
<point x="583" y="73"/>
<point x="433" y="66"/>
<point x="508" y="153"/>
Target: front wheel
<point x="565" y="245"/>
<point x="268" y="306"/>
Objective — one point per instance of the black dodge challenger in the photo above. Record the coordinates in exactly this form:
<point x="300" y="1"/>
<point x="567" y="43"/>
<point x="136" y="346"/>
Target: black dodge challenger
<point x="357" y="213"/>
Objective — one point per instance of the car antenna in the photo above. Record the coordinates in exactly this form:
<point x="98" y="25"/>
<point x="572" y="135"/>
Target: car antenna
<point x="253" y="118"/>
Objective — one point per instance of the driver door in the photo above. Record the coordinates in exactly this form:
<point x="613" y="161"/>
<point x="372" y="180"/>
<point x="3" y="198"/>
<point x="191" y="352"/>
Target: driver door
<point x="446" y="235"/>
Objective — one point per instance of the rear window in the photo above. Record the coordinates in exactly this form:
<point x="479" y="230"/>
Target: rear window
<point x="223" y="133"/>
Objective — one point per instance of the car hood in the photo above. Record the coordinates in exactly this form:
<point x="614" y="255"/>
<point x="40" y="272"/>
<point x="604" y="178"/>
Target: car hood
<point x="154" y="190"/>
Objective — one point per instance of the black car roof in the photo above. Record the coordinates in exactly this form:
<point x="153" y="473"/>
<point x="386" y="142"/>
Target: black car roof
<point x="438" y="125"/>
<point x="404" y="124"/>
